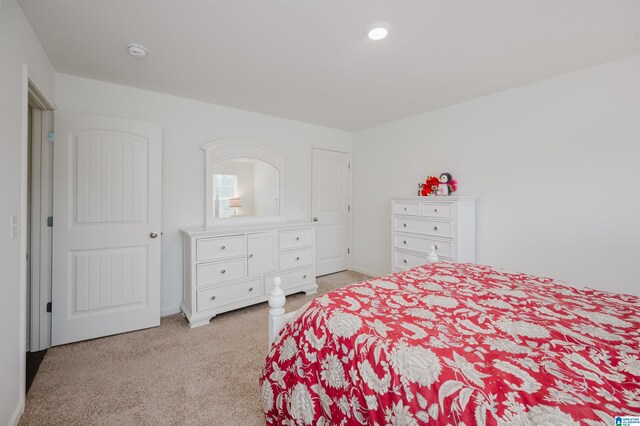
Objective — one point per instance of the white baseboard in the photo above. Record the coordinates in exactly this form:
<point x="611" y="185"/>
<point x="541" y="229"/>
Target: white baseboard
<point x="15" y="417"/>
<point x="365" y="271"/>
<point x="170" y="311"/>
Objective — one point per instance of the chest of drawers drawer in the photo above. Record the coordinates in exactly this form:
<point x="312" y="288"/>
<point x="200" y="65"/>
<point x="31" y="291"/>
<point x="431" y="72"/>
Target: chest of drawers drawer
<point x="296" y="258"/>
<point x="224" y="295"/>
<point x="433" y="210"/>
<point x="411" y="209"/>
<point x="219" y="248"/>
<point x="217" y="272"/>
<point x="406" y="260"/>
<point x="426" y="227"/>
<point x="423" y="244"/>
<point x="295" y="239"/>
<point x="289" y="279"/>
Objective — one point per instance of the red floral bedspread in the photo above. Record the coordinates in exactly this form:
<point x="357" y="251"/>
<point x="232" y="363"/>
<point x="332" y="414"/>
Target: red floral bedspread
<point x="457" y="344"/>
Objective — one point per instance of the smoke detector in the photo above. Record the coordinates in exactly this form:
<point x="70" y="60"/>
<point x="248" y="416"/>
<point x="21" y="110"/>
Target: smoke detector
<point x="137" y="49"/>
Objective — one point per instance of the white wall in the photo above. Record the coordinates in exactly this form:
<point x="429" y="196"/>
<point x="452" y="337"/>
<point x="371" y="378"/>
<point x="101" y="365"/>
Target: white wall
<point x="266" y="189"/>
<point x="186" y="126"/>
<point x="556" y="165"/>
<point x="18" y="46"/>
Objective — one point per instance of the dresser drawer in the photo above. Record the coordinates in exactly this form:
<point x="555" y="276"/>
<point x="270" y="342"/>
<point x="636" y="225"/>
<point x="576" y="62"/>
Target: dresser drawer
<point x="437" y="210"/>
<point x="219" y="248"/>
<point x="426" y="227"/>
<point x="296" y="258"/>
<point x="406" y="260"/>
<point x="410" y="242"/>
<point x="296" y="238"/>
<point x="217" y="272"/>
<point x="411" y="209"/>
<point x="289" y="279"/>
<point x="210" y="298"/>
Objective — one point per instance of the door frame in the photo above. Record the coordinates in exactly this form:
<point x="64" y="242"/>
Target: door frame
<point x="41" y="196"/>
<point x="350" y="196"/>
<point x="29" y="88"/>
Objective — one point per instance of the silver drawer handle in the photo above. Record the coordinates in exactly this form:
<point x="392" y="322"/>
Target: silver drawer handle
<point x="304" y="276"/>
<point x="297" y="238"/>
<point x="404" y="224"/>
<point x="405" y="260"/>
<point x="223" y="272"/>
<point x="404" y="242"/>
<point x="435" y="228"/>
<point x="250" y="288"/>
<point x="222" y="248"/>
<point x="213" y="298"/>
<point x="251" y="255"/>
<point x="298" y="258"/>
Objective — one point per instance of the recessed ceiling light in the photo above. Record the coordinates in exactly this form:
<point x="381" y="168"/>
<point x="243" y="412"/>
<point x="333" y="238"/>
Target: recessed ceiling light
<point x="378" y="33"/>
<point x="137" y="49"/>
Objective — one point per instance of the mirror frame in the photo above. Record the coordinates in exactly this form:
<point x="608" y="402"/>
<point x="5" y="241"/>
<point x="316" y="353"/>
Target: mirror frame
<point x="230" y="148"/>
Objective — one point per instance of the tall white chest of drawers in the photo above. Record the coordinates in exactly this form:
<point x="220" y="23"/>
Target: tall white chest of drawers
<point x="417" y="223"/>
<point x="227" y="268"/>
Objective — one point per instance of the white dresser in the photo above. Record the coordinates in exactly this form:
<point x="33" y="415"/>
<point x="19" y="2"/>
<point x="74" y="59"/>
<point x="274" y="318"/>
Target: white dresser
<point x="417" y="223"/>
<point x="229" y="267"/>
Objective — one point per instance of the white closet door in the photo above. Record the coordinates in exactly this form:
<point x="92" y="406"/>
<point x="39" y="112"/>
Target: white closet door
<point x="106" y="234"/>
<point x="331" y="193"/>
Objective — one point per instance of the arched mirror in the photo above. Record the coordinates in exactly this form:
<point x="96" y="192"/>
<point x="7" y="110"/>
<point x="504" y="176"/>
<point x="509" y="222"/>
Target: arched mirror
<point x="244" y="182"/>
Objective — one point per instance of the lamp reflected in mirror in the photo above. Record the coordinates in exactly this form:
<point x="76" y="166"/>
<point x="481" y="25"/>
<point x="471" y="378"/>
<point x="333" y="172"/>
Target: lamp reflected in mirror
<point x="234" y="203"/>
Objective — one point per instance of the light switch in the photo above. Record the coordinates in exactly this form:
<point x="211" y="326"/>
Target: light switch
<point x="14" y="226"/>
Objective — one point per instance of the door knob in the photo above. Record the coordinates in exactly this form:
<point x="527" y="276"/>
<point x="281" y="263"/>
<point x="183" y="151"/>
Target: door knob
<point x="153" y="235"/>
<point x="315" y="219"/>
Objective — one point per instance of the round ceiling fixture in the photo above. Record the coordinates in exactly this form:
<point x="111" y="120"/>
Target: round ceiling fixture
<point x="378" y="33"/>
<point x="137" y="49"/>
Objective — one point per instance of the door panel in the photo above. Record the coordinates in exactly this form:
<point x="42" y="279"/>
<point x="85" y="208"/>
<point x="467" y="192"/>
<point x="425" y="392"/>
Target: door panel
<point x="110" y="178"/>
<point x="330" y="207"/>
<point x="262" y="253"/>
<point x="106" y="264"/>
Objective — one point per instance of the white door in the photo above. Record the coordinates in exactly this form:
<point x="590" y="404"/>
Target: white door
<point x="331" y="194"/>
<point x="106" y="233"/>
<point x="262" y="253"/>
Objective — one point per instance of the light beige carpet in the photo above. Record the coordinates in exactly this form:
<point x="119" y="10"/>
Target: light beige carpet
<point x="168" y="375"/>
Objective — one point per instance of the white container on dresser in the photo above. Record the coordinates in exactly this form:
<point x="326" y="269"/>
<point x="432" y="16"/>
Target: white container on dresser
<point x="229" y="267"/>
<point x="417" y="223"/>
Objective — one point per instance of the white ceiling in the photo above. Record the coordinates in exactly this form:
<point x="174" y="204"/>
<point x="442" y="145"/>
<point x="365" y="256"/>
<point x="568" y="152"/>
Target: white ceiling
<point x="310" y="60"/>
